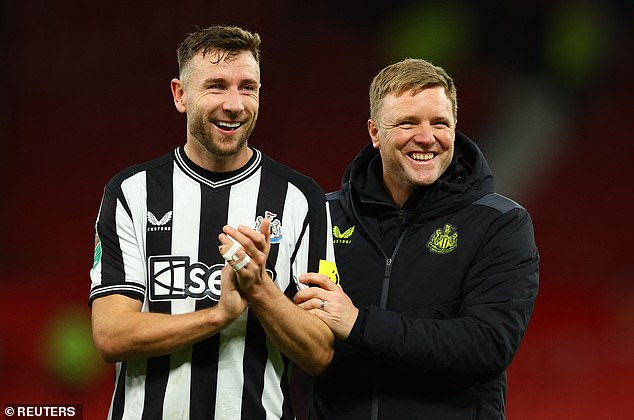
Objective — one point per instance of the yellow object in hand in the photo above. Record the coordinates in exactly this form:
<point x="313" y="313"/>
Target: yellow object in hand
<point x="329" y="269"/>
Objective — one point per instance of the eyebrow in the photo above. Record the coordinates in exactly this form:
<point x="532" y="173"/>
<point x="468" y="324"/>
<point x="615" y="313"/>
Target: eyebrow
<point x="222" y="80"/>
<point x="397" y="119"/>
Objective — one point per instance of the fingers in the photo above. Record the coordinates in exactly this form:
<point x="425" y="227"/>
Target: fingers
<point x="251" y="240"/>
<point x="333" y="307"/>
<point x="265" y="229"/>
<point x="320" y="280"/>
<point x="313" y="303"/>
<point x="233" y="253"/>
<point x="227" y="277"/>
<point x="228" y="247"/>
<point x="322" y="285"/>
<point x="232" y="302"/>
<point x="241" y="263"/>
<point x="305" y="295"/>
<point x="246" y="250"/>
<point x="228" y="272"/>
<point x="311" y="295"/>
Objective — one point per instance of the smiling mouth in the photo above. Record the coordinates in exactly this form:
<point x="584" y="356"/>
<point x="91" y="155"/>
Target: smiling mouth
<point x="228" y="125"/>
<point x="421" y="157"/>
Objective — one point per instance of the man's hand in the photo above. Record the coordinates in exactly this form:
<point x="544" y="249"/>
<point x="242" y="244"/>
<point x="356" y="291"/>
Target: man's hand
<point x="249" y="259"/>
<point x="303" y="338"/>
<point x="329" y="303"/>
<point x="232" y="302"/>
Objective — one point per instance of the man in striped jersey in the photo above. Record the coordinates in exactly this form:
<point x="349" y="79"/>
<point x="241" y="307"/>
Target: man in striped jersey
<point x="187" y="341"/>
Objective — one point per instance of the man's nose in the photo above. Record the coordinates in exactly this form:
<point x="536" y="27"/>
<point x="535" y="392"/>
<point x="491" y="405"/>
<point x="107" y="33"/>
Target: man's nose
<point x="424" y="134"/>
<point x="233" y="101"/>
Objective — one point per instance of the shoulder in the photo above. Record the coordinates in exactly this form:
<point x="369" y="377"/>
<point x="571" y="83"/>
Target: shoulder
<point x="333" y="195"/>
<point x="502" y="213"/>
<point x="307" y="185"/>
<point x="498" y="202"/>
<point x="116" y="182"/>
<point x="508" y="219"/>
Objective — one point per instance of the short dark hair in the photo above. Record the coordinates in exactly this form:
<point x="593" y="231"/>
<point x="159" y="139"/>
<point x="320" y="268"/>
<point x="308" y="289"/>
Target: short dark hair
<point x="228" y="40"/>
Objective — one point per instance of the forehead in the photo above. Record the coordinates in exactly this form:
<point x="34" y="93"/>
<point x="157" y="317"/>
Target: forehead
<point x="433" y="99"/>
<point x="241" y="65"/>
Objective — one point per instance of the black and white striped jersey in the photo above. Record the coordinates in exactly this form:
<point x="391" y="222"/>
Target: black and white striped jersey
<point x="157" y="241"/>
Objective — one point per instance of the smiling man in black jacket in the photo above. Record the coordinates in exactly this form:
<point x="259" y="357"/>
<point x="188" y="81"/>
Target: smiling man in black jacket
<point x="438" y="273"/>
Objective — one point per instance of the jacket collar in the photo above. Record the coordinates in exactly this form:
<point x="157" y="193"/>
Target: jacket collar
<point x="467" y="179"/>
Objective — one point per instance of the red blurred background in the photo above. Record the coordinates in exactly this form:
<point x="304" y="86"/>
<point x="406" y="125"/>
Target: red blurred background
<point x="545" y="89"/>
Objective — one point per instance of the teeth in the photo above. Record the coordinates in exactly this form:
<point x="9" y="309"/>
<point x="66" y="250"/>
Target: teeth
<point x="422" y="156"/>
<point x="225" y="124"/>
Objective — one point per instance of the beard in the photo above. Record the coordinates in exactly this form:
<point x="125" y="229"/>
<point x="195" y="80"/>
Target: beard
<point x="203" y="130"/>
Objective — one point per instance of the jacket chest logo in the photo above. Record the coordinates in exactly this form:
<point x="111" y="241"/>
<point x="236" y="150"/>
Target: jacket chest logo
<point x="342" y="237"/>
<point x="443" y="240"/>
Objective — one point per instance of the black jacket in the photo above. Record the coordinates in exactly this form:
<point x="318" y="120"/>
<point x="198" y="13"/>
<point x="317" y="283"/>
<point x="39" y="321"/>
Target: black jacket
<point x="445" y="287"/>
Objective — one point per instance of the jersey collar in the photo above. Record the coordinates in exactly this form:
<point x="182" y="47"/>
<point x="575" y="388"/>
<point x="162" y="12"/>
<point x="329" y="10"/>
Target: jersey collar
<point x="217" y="179"/>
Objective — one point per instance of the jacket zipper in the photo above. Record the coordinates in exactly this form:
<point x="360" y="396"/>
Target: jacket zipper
<point x="385" y="288"/>
<point x="386" y="283"/>
<point x="387" y="274"/>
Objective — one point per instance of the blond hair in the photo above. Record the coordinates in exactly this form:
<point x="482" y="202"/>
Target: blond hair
<point x="410" y="74"/>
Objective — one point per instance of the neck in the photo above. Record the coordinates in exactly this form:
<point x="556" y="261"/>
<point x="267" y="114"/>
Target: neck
<point x="215" y="162"/>
<point x="399" y="194"/>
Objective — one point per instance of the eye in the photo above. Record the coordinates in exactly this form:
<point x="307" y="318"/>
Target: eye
<point x="250" y="88"/>
<point x="441" y="124"/>
<point x="405" y="124"/>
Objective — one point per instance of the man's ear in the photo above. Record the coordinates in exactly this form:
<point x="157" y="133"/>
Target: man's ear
<point x="177" y="94"/>
<point x="373" y="129"/>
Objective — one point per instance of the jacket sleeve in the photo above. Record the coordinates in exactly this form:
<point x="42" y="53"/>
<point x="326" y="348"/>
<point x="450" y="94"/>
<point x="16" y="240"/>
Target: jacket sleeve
<point x="499" y="294"/>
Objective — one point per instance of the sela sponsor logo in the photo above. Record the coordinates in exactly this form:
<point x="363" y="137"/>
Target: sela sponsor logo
<point x="162" y="224"/>
<point x="275" y="228"/>
<point x="342" y="237"/>
<point x="443" y="240"/>
<point x="173" y="277"/>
